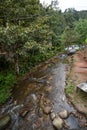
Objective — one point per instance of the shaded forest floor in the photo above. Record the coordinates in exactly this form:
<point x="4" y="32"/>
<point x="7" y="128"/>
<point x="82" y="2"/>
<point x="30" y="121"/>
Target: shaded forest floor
<point x="76" y="74"/>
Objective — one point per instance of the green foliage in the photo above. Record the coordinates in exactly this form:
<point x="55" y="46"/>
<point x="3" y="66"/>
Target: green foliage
<point x="36" y="59"/>
<point x="82" y="14"/>
<point x="13" y="11"/>
<point x="81" y="29"/>
<point x="7" y="80"/>
<point x="13" y="36"/>
<point x="71" y="15"/>
<point x="86" y="40"/>
<point x="57" y="24"/>
<point x="69" y="37"/>
<point x="69" y="89"/>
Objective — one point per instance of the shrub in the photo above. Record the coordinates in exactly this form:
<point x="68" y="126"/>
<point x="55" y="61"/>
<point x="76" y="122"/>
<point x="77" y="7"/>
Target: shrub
<point x="7" y="80"/>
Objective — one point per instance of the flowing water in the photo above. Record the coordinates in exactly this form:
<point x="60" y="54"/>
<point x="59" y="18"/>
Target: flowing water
<point x="43" y="87"/>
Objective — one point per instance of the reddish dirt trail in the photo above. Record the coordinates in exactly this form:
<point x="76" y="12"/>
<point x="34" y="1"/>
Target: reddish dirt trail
<point x="78" y="74"/>
<point x="80" y="67"/>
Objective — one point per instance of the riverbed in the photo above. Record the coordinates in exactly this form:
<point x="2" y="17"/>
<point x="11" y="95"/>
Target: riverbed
<point x="40" y="93"/>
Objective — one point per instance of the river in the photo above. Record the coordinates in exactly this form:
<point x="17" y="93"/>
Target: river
<point x="39" y="94"/>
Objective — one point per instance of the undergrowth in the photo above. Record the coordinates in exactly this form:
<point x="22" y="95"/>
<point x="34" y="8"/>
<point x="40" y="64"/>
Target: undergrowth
<point x="7" y="80"/>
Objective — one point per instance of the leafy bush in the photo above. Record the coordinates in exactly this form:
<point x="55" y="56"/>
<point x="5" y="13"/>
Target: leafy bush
<point x="7" y="80"/>
<point x="33" y="60"/>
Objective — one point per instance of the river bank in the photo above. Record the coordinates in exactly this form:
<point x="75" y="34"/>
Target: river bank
<point x="76" y="74"/>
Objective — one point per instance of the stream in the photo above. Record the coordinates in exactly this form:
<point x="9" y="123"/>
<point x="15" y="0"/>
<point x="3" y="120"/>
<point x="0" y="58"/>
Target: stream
<point x="38" y="95"/>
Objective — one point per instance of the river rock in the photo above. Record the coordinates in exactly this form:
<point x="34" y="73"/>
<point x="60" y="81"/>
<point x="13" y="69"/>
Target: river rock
<point x="23" y="114"/>
<point x="40" y="112"/>
<point x="47" y="109"/>
<point x="58" y="123"/>
<point x="4" y="121"/>
<point x="74" y="113"/>
<point x="47" y="102"/>
<point x="48" y="89"/>
<point x="52" y="115"/>
<point x="63" y="114"/>
<point x="66" y="124"/>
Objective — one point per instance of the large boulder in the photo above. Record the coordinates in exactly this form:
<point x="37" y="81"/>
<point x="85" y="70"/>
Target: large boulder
<point x="58" y="123"/>
<point x="63" y="114"/>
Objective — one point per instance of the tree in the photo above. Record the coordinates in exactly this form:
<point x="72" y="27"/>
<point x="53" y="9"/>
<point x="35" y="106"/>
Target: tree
<point x="54" y="4"/>
<point x="69" y="37"/>
<point x="23" y="29"/>
<point x="13" y="11"/>
<point x="82" y="14"/>
<point x="81" y="29"/>
<point x="56" y="23"/>
<point x="71" y="15"/>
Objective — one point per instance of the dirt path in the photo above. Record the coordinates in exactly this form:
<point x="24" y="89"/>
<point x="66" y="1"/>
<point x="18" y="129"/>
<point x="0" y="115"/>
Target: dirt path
<point x="76" y="75"/>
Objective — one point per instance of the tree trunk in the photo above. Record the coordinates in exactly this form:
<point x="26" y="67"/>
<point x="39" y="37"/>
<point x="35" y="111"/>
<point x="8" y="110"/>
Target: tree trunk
<point x="17" y="70"/>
